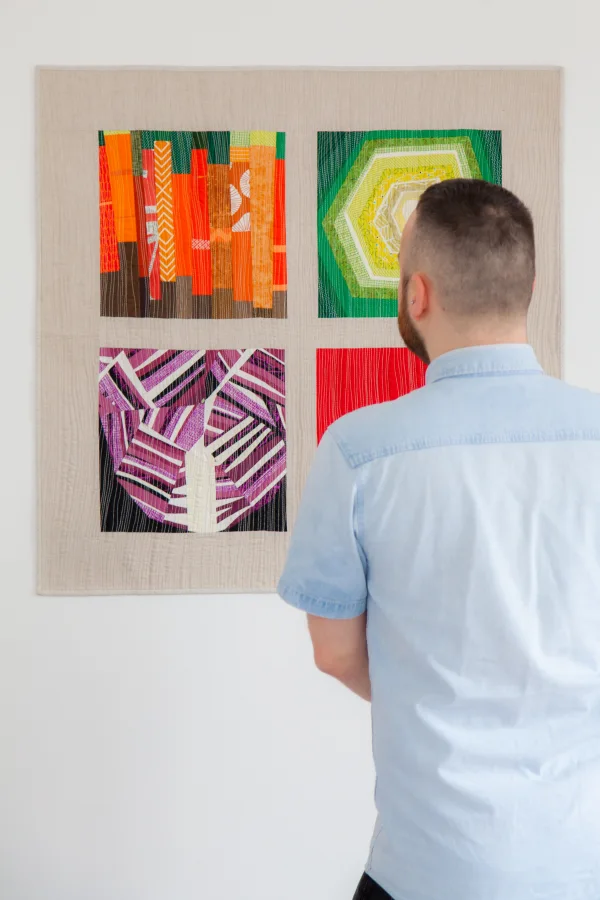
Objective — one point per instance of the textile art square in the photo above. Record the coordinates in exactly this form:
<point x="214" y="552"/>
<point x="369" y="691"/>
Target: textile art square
<point x="350" y="378"/>
<point x="192" y="440"/>
<point x="369" y="182"/>
<point x="192" y="224"/>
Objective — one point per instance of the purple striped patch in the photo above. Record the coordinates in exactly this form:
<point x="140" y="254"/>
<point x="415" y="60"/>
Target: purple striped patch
<point x="192" y="440"/>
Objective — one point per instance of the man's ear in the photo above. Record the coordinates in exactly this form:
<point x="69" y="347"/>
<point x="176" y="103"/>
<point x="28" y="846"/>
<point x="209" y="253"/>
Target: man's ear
<point x="418" y="304"/>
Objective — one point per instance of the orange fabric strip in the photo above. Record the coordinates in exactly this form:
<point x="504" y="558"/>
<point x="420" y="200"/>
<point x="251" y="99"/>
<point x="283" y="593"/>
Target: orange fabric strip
<point x="151" y="224"/>
<point x="140" y="218"/>
<point x="219" y="209"/>
<point x="201" y="261"/>
<point x="262" y="193"/>
<point x="279" y="272"/>
<point x="279" y="234"/>
<point x="182" y="215"/>
<point x="118" y="154"/>
<point x="241" y="243"/>
<point x="109" y="252"/>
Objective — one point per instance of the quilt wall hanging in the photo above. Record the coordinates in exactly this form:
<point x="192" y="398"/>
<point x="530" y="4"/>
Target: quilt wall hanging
<point x="217" y="283"/>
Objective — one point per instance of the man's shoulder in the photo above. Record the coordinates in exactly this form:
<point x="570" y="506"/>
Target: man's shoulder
<point x="461" y="411"/>
<point x="575" y="406"/>
<point x="378" y="430"/>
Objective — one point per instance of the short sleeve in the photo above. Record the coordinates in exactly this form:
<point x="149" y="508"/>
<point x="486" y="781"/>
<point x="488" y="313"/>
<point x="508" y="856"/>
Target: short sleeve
<point x="325" y="572"/>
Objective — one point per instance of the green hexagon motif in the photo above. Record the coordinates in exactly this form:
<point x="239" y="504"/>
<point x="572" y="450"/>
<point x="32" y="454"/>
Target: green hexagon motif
<point x="369" y="182"/>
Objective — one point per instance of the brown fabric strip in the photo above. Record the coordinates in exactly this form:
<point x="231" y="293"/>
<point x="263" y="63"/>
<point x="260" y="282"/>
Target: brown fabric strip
<point x="242" y="309"/>
<point x="222" y="303"/>
<point x="166" y="307"/>
<point x="280" y="304"/>
<point x="112" y="298"/>
<point x="201" y="306"/>
<point x="128" y="260"/>
<point x="144" y="297"/>
<point x="183" y="293"/>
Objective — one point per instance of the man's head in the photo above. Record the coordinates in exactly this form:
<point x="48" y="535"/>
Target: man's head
<point x="467" y="267"/>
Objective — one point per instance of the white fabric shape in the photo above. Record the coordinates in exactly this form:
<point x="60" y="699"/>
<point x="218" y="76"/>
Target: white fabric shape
<point x="243" y="224"/>
<point x="245" y="183"/>
<point x="236" y="199"/>
<point x="201" y="490"/>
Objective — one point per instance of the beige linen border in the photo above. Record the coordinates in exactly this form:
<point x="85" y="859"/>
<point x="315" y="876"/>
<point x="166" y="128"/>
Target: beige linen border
<point x="74" y="557"/>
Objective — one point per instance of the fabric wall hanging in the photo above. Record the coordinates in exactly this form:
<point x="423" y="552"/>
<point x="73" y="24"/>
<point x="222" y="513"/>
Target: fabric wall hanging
<point x="217" y="284"/>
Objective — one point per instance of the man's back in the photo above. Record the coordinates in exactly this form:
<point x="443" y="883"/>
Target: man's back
<point x="475" y="512"/>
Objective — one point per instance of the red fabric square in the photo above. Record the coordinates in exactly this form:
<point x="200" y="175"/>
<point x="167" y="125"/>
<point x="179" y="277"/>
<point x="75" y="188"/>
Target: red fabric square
<point x="350" y="378"/>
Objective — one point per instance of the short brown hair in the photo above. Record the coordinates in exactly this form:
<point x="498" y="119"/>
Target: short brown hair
<point x="476" y="241"/>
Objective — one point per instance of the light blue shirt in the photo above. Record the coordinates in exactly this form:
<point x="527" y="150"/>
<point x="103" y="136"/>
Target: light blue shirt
<point x="465" y="518"/>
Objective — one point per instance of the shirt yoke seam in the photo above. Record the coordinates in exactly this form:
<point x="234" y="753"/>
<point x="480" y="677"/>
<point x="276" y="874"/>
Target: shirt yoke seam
<point x="356" y="460"/>
<point x="500" y="371"/>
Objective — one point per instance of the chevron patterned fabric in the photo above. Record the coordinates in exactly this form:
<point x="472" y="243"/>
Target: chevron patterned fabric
<point x="163" y="176"/>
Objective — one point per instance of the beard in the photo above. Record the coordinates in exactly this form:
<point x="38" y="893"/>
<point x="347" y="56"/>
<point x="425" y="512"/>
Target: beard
<point x="408" y="330"/>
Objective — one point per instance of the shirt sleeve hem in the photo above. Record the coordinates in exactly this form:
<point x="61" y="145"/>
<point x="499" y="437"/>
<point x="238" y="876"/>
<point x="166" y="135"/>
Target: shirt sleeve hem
<point x="318" y="606"/>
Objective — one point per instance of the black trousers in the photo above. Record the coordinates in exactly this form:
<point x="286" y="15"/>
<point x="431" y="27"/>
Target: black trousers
<point x="370" y="890"/>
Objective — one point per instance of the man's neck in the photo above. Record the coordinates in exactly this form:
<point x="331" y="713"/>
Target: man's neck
<point x="477" y="338"/>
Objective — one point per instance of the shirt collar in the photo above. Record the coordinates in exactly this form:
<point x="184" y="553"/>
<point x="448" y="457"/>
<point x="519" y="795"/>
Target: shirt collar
<point x="492" y="359"/>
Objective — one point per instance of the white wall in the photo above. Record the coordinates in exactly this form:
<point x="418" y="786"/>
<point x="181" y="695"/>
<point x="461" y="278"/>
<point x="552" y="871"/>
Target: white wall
<point x="154" y="748"/>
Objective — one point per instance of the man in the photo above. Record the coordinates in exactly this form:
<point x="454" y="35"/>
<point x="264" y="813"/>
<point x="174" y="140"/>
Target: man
<point x="447" y="551"/>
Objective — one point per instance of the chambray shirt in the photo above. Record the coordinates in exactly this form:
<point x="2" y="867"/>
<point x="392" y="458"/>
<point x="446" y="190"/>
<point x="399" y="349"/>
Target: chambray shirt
<point x="465" y="518"/>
